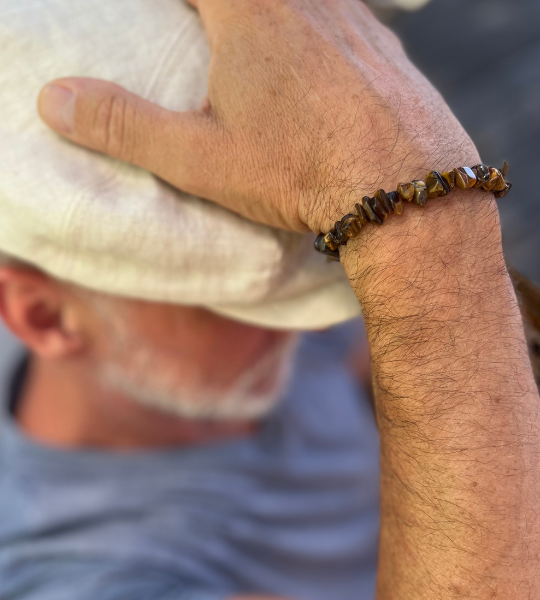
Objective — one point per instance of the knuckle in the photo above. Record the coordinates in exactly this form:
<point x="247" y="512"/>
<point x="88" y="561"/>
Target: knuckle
<point x="111" y="127"/>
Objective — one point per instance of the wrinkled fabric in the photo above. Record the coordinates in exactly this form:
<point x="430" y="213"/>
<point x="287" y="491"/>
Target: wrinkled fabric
<point x="115" y="228"/>
<point x="292" y="511"/>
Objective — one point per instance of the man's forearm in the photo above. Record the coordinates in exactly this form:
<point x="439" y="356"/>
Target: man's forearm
<point x="456" y="403"/>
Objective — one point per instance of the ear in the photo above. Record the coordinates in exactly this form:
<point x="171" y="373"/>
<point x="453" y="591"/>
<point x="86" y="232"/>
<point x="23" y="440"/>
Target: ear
<point x="40" y="312"/>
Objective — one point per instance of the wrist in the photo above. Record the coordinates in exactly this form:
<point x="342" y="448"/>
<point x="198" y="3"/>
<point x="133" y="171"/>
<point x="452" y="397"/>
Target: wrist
<point x="436" y="297"/>
<point x="456" y="235"/>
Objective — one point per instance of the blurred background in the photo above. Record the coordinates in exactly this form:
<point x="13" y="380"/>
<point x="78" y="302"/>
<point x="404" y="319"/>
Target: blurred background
<point x="484" y="57"/>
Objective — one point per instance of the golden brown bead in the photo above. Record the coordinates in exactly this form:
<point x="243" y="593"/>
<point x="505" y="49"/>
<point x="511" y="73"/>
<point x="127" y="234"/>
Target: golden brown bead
<point x="494" y="178"/>
<point x="362" y="215"/>
<point x="420" y="193"/>
<point x="450" y="178"/>
<point x="499" y="185"/>
<point x="482" y="175"/>
<point x="496" y="181"/>
<point x="320" y="246"/>
<point x="379" y="207"/>
<point x="406" y="191"/>
<point x="396" y="202"/>
<point x="339" y="235"/>
<point x="436" y="185"/>
<point x="351" y="226"/>
<point x="365" y="203"/>
<point x="382" y="196"/>
<point x="503" y="193"/>
<point x="465" y="178"/>
<point x="330" y="242"/>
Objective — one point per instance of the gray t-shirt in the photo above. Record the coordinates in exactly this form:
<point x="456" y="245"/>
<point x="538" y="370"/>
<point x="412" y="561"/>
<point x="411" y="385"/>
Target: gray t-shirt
<point x="292" y="511"/>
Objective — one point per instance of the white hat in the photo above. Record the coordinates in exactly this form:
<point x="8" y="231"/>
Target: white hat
<point x="112" y="227"/>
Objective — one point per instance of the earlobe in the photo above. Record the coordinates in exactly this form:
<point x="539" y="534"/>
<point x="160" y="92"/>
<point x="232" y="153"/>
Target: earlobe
<point x="34" y="308"/>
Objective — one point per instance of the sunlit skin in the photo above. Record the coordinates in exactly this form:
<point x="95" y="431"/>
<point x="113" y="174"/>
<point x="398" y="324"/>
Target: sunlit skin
<point x="65" y="402"/>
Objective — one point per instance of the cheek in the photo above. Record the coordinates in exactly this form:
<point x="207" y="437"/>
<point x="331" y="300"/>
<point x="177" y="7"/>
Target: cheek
<point x="204" y="347"/>
<point x="197" y="335"/>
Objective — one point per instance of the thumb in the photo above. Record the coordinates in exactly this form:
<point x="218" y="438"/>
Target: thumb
<point x="107" y="118"/>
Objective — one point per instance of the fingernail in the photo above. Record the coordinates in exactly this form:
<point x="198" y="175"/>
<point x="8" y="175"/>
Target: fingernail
<point x="57" y="107"/>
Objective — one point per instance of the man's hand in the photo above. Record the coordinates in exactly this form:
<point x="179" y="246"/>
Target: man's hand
<point x="311" y="106"/>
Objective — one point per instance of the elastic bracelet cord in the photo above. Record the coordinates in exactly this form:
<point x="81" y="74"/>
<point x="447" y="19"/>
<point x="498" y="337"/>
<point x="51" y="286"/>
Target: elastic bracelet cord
<point x="376" y="210"/>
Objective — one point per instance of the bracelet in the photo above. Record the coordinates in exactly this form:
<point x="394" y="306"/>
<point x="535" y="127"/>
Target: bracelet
<point x="376" y="210"/>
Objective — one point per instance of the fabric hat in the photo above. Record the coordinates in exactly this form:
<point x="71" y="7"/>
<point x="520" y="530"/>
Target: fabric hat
<point x="115" y="228"/>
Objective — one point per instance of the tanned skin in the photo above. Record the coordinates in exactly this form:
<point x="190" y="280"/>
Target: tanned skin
<point x="312" y="105"/>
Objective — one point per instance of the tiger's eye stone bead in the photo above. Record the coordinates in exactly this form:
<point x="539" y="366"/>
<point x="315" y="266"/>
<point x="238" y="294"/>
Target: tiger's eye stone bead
<point x="420" y="193"/>
<point x="379" y="207"/>
<point x="482" y="175"/>
<point x="436" y="185"/>
<point x="450" y="178"/>
<point x="365" y="203"/>
<point x="494" y="177"/>
<point x="330" y="242"/>
<point x="499" y="185"/>
<point x="362" y="215"/>
<point x="382" y="196"/>
<point x="396" y="202"/>
<point x="406" y="191"/>
<point x="321" y="247"/>
<point x="503" y="193"/>
<point x="465" y="178"/>
<point x="339" y="235"/>
<point x="351" y="226"/>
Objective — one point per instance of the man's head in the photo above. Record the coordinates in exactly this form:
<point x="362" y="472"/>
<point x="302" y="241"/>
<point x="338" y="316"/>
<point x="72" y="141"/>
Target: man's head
<point x="180" y="359"/>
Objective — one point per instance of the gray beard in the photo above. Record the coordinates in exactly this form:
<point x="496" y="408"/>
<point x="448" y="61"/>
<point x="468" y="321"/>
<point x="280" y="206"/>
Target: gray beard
<point x="143" y="381"/>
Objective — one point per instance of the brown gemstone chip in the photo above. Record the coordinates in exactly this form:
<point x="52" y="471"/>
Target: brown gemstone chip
<point x="350" y="225"/>
<point x="450" y="178"/>
<point x="503" y="193"/>
<point x="494" y="176"/>
<point x="339" y="235"/>
<point x="436" y="185"/>
<point x="382" y="196"/>
<point x="496" y="181"/>
<point x="406" y="191"/>
<point x="396" y="202"/>
<point x="499" y="185"/>
<point x="365" y="203"/>
<point x="321" y="246"/>
<point x="379" y="207"/>
<point x="482" y="175"/>
<point x="330" y="242"/>
<point x="361" y="214"/>
<point x="420" y="193"/>
<point x="465" y="178"/>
